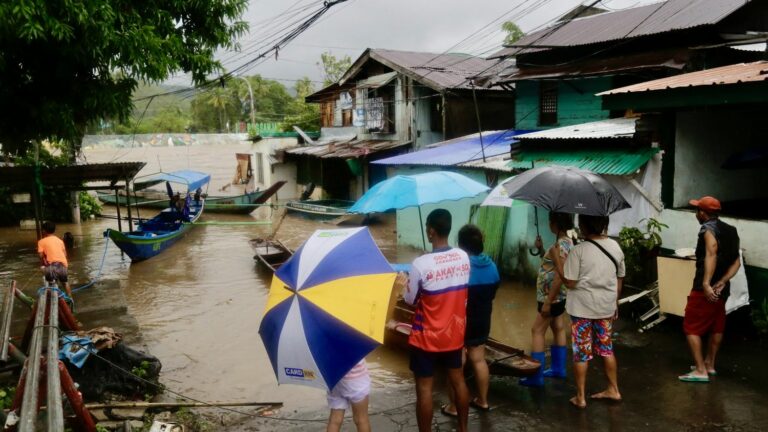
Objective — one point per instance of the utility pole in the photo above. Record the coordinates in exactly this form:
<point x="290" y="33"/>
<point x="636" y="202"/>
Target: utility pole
<point x="250" y="92"/>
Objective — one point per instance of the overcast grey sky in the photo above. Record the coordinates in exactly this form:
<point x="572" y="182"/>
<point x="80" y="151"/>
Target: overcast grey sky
<point x="415" y="25"/>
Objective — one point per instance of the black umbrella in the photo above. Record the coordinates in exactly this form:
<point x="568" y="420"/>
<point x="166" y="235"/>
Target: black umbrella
<point x="566" y="190"/>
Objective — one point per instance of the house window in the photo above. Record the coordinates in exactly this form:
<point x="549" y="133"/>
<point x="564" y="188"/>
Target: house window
<point x="327" y="109"/>
<point x="347" y="103"/>
<point x="260" y="168"/>
<point x="380" y="109"/>
<point x="548" y="103"/>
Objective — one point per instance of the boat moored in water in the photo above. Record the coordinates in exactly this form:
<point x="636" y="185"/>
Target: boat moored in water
<point x="153" y="236"/>
<point x="271" y="253"/>
<point x="320" y="208"/>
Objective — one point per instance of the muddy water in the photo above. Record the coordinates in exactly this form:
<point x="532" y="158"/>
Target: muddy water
<point x="199" y="304"/>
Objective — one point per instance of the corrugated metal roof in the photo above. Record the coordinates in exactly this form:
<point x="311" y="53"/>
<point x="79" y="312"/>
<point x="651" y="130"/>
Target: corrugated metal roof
<point x="630" y="23"/>
<point x="610" y="162"/>
<point x="732" y="74"/>
<point x="346" y="149"/>
<point x="376" y="81"/>
<point x="662" y="59"/>
<point x="496" y="163"/>
<point x="439" y="71"/>
<point x="612" y="128"/>
<point x="458" y="150"/>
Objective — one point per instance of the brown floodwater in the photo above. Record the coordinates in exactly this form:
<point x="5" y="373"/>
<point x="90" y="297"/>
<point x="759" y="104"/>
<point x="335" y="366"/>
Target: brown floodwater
<point x="199" y="304"/>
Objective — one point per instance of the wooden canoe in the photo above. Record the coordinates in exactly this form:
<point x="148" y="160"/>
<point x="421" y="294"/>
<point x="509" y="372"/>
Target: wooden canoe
<point x="155" y="235"/>
<point x="271" y="253"/>
<point x="502" y="359"/>
<point x="236" y="204"/>
<point x="328" y="208"/>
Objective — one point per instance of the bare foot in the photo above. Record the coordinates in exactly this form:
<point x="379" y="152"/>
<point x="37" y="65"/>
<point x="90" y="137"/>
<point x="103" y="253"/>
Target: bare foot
<point x="609" y="394"/>
<point x="578" y="403"/>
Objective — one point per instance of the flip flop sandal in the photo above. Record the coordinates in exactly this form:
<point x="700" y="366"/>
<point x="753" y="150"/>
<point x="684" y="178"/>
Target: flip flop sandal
<point x="445" y="412"/>
<point x="710" y="373"/>
<point x="693" y="378"/>
<point x="473" y="403"/>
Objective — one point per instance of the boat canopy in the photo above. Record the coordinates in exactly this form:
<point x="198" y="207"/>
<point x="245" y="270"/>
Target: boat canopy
<point x="193" y="179"/>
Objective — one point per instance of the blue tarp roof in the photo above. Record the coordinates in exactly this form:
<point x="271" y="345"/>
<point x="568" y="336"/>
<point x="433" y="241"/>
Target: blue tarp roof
<point x="458" y="150"/>
<point x="193" y="179"/>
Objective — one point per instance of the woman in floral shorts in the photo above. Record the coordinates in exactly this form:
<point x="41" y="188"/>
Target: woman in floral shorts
<point x="594" y="271"/>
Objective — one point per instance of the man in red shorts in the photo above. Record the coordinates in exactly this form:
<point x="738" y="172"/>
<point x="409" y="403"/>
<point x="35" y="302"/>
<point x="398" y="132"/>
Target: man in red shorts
<point x="717" y="261"/>
<point x="437" y="286"/>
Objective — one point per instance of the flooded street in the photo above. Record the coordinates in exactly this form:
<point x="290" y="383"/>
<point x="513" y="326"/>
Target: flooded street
<point x="200" y="303"/>
<point x="199" y="306"/>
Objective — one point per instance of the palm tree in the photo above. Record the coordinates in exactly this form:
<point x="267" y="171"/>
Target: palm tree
<point x="219" y="99"/>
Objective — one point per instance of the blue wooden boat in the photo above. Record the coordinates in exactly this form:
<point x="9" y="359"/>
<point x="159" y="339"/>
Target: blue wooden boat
<point x="155" y="235"/>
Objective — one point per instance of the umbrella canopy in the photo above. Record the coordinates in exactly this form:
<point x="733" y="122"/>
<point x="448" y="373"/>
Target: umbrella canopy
<point x="566" y="190"/>
<point x="327" y="307"/>
<point x="404" y="191"/>
<point x="498" y="197"/>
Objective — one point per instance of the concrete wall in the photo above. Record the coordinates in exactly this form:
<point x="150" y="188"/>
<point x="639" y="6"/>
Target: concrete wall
<point x="576" y="102"/>
<point x="684" y="228"/>
<point x="160" y="140"/>
<point x="268" y="149"/>
<point x="683" y="231"/>
<point x="703" y="141"/>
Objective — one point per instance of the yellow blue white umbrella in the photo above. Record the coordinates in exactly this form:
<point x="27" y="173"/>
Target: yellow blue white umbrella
<point x="327" y="307"/>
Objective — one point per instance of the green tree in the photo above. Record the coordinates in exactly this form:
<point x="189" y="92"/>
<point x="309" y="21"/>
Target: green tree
<point x="514" y="33"/>
<point x="232" y="102"/>
<point x="67" y="64"/>
<point x="300" y="113"/>
<point x="333" y="68"/>
<point x="219" y="99"/>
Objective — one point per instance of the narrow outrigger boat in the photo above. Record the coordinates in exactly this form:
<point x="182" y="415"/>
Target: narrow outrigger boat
<point x="238" y="204"/>
<point x="320" y="208"/>
<point x="271" y="253"/>
<point x="155" y="235"/>
<point x="502" y="359"/>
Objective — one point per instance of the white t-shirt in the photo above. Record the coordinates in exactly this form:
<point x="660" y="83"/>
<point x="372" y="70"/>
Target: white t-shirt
<point x="596" y="289"/>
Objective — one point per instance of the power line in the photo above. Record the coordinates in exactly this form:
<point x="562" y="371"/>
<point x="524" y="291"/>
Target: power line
<point x="273" y="49"/>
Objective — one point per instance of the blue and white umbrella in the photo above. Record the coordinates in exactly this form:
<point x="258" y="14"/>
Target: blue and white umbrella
<point x="327" y="307"/>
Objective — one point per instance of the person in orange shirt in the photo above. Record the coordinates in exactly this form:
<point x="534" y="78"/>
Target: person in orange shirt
<point x="53" y="256"/>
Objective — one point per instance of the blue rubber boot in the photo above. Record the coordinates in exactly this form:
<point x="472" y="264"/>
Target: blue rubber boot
<point x="557" y="368"/>
<point x="536" y="380"/>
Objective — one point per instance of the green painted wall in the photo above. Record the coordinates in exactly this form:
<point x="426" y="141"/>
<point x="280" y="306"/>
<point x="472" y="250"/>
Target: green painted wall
<point x="576" y="102"/>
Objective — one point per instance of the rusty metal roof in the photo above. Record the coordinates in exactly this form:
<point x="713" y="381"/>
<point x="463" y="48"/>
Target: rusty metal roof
<point x="628" y="23"/>
<point x="346" y="149"/>
<point x="70" y="177"/>
<point x="438" y="71"/>
<point x="732" y="74"/>
<point x="665" y="59"/>
<point x="603" y="129"/>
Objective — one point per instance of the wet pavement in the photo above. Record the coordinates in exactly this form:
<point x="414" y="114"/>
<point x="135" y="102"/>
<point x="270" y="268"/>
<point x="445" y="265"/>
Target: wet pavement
<point x="198" y="308"/>
<point x="654" y="399"/>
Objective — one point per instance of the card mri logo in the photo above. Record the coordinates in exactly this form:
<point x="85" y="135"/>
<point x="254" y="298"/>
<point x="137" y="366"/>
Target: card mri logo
<point x="300" y="373"/>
